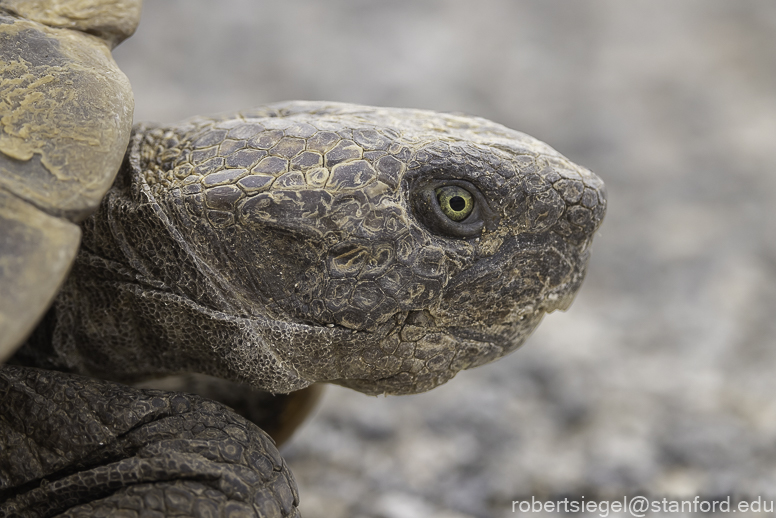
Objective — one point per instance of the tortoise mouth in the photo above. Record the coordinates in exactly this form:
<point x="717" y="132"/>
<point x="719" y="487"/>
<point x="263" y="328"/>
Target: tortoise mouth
<point x="400" y="384"/>
<point x="421" y="363"/>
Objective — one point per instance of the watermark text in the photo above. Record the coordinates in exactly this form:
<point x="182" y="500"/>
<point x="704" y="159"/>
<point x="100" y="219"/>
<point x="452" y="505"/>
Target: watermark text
<point x="641" y="506"/>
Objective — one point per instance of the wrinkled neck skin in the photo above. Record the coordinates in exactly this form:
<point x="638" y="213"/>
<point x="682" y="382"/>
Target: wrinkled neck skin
<point x="142" y="300"/>
<point x="304" y="242"/>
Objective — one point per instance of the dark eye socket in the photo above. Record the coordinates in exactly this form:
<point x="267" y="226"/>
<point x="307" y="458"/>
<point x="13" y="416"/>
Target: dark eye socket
<point x="452" y="207"/>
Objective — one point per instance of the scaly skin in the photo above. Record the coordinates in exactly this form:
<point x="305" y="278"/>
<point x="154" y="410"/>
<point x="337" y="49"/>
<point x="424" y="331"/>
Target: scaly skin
<point x="299" y="243"/>
<point x="86" y="447"/>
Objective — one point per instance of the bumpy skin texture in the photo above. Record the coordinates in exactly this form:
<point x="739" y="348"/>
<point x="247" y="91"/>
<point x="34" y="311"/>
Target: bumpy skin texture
<point x="303" y="242"/>
<point x="300" y="242"/>
<point x="75" y="446"/>
<point x="297" y="243"/>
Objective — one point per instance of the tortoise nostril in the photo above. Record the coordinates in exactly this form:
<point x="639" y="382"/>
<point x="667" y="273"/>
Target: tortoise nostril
<point x="419" y="318"/>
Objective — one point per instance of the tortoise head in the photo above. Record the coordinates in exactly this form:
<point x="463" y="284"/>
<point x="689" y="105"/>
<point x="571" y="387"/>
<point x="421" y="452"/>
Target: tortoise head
<point x="380" y="249"/>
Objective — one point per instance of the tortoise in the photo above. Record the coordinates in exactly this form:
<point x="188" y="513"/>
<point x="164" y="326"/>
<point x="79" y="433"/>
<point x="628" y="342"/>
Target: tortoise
<point x="381" y="249"/>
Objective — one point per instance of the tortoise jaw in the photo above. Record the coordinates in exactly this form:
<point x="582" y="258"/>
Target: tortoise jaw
<point x="402" y="384"/>
<point x="424" y="361"/>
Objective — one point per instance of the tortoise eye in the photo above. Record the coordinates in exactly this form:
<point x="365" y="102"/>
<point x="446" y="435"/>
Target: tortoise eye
<point x="452" y="207"/>
<point x="456" y="202"/>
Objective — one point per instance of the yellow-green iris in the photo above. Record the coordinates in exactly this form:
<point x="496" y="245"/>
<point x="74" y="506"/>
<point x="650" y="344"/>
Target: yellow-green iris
<point x="456" y="203"/>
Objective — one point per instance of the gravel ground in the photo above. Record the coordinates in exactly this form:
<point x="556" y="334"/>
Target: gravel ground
<point x="659" y="379"/>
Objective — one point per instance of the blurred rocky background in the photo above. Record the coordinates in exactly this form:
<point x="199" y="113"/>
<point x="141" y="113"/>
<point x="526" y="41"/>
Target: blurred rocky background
<point x="660" y="379"/>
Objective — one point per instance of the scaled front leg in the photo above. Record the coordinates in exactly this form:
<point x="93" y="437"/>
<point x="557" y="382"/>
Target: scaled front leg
<point x="76" y="446"/>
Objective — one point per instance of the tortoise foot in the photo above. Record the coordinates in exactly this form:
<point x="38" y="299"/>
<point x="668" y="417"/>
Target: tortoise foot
<point x="76" y="446"/>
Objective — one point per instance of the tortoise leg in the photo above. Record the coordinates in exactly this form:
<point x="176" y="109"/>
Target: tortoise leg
<point x="277" y="414"/>
<point x="77" y="446"/>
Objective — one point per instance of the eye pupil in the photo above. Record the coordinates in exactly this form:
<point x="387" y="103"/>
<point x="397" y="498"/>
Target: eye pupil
<point x="457" y="203"/>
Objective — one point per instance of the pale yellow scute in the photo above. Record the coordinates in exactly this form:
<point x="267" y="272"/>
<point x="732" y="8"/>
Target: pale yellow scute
<point x="65" y="117"/>
<point x="112" y="20"/>
<point x="36" y="251"/>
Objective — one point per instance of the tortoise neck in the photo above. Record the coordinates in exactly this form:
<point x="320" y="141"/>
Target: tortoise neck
<point x="141" y="302"/>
